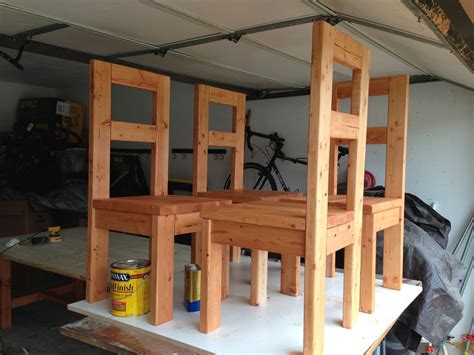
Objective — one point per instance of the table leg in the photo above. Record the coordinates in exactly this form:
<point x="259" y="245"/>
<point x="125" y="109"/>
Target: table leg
<point x="235" y="254"/>
<point x="211" y="273"/>
<point x="5" y="294"/>
<point x="97" y="263"/>
<point x="258" y="281"/>
<point x="196" y="248"/>
<point x="162" y="269"/>
<point x="225" y="271"/>
<point x="367" y="269"/>
<point x="331" y="265"/>
<point x="393" y="256"/>
<point x="290" y="275"/>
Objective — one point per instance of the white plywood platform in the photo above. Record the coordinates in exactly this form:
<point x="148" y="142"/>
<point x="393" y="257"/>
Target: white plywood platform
<point x="276" y="327"/>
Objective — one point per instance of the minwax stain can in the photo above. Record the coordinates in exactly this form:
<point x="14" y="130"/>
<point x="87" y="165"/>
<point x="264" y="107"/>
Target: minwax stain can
<point x="192" y="287"/>
<point x="130" y="287"/>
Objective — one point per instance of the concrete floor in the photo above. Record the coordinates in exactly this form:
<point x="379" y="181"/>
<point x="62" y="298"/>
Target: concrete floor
<point x="36" y="329"/>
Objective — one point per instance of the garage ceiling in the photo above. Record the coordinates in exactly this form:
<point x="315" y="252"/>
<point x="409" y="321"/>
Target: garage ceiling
<point x="277" y="59"/>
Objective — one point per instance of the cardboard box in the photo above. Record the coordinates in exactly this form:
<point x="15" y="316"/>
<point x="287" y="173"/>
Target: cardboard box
<point x="23" y="217"/>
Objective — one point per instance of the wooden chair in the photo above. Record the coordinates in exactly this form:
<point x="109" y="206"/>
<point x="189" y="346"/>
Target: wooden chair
<point x="380" y="213"/>
<point x="157" y="216"/>
<point x="205" y="138"/>
<point x="313" y="229"/>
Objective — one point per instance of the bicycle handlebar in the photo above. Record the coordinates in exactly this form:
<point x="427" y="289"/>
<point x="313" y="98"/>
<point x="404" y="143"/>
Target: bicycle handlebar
<point x="274" y="137"/>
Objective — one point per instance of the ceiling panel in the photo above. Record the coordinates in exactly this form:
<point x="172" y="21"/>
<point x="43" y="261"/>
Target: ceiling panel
<point x="130" y="18"/>
<point x="438" y="61"/>
<point x="387" y="12"/>
<point x="297" y="42"/>
<point x="184" y="65"/>
<point x="44" y="71"/>
<point x="242" y="13"/>
<point x="12" y="22"/>
<point x="86" y="41"/>
<point x="245" y="57"/>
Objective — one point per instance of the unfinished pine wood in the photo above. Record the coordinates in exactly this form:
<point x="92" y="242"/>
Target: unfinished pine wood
<point x="303" y="229"/>
<point x="225" y="271"/>
<point x="160" y="148"/>
<point x="355" y="191"/>
<point x="368" y="263"/>
<point x="290" y="266"/>
<point x="222" y="139"/>
<point x="99" y="176"/>
<point x="187" y="223"/>
<point x="162" y="269"/>
<point x="127" y="76"/>
<point x="158" y="205"/>
<point x="258" y="286"/>
<point x="385" y="213"/>
<point x="154" y="215"/>
<point x="132" y="132"/>
<point x="395" y="176"/>
<point x="377" y="135"/>
<point x="344" y="125"/>
<point x="377" y="87"/>
<point x="127" y="222"/>
<point x="223" y="97"/>
<point x="210" y="315"/>
<point x="5" y="294"/>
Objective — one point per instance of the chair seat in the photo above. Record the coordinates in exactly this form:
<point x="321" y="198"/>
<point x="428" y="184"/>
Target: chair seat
<point x="290" y="215"/>
<point x="158" y="205"/>
<point x="372" y="204"/>
<point x="241" y="195"/>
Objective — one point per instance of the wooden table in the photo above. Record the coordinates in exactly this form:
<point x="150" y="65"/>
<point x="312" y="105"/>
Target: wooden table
<point x="272" y="328"/>
<point x="67" y="258"/>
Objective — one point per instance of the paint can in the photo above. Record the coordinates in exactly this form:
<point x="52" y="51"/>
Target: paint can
<point x="192" y="287"/>
<point x="130" y="287"/>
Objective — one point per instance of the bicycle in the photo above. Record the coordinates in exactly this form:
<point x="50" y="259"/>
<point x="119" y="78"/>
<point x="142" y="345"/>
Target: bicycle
<point x="258" y="176"/>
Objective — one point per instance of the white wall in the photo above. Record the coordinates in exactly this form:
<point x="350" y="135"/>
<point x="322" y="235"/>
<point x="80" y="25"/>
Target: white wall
<point x="440" y="164"/>
<point x="11" y="93"/>
<point x="440" y="167"/>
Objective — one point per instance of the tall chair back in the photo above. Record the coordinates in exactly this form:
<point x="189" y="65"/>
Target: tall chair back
<point x="329" y="46"/>
<point x="205" y="138"/>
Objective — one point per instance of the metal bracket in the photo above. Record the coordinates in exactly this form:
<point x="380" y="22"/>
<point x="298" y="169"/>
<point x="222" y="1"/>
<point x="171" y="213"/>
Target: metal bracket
<point x="234" y="37"/>
<point x="161" y="52"/>
<point x="333" y="20"/>
<point x="15" y="61"/>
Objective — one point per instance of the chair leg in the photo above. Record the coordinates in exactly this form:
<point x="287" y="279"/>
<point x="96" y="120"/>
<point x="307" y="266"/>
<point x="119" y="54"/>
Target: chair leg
<point x="393" y="257"/>
<point x="235" y="254"/>
<point x="351" y="298"/>
<point x="211" y="273"/>
<point x="367" y="268"/>
<point x="225" y="272"/>
<point x="5" y="294"/>
<point x="98" y="263"/>
<point x="290" y="275"/>
<point x="196" y="248"/>
<point x="331" y="265"/>
<point x="162" y="269"/>
<point x="258" y="281"/>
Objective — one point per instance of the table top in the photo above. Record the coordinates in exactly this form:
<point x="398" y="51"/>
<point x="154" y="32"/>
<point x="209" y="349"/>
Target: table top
<point x="69" y="257"/>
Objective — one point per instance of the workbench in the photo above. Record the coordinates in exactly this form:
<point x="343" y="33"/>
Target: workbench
<point x="272" y="328"/>
<point x="240" y="321"/>
<point x="67" y="258"/>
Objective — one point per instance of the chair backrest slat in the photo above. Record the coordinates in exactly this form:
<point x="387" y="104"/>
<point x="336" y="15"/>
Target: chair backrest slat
<point x="204" y="138"/>
<point x="103" y="129"/>
<point x="394" y="135"/>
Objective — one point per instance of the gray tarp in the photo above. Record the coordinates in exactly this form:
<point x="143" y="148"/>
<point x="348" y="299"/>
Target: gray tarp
<point x="439" y="307"/>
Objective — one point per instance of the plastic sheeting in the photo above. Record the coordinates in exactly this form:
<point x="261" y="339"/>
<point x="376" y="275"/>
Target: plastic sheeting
<point x="439" y="307"/>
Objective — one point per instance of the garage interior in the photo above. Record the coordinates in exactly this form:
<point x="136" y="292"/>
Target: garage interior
<point x="169" y="123"/>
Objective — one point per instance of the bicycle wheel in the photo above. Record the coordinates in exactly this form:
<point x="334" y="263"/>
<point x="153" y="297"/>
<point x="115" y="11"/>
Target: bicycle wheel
<point x="256" y="177"/>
